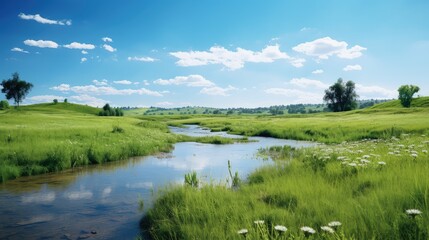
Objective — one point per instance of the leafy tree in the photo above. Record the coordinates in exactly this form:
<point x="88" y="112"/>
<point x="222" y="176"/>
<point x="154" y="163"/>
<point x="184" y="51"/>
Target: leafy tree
<point x="55" y="101"/>
<point x="4" y="104"/>
<point x="406" y="93"/>
<point x="341" y="97"/>
<point x="65" y="100"/>
<point x="108" y="111"/>
<point x="16" y="88"/>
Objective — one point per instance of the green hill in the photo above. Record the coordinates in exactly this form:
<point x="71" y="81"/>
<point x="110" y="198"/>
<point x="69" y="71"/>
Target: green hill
<point x="417" y="102"/>
<point x="59" y="108"/>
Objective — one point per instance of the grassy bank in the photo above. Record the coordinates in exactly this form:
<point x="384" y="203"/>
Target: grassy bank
<point x="367" y="186"/>
<point x="381" y="121"/>
<point x="376" y="171"/>
<point x="45" y="138"/>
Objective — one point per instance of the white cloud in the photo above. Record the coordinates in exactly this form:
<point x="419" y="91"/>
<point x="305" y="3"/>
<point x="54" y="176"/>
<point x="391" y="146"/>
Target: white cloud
<point x="142" y="59"/>
<point x="103" y="82"/>
<point x="41" y="43"/>
<point x="352" y="68"/>
<point x="375" y="92"/>
<point x="76" y="45"/>
<point x="62" y="87"/>
<point x="109" y="48"/>
<point x="297" y="62"/>
<point x="104" y="90"/>
<point x="318" y="71"/>
<point x="325" y="47"/>
<point x="88" y="100"/>
<point x="107" y="39"/>
<point x="84" y="52"/>
<point x="146" y="82"/>
<point x="297" y="96"/>
<point x="164" y="104"/>
<point x="217" y="91"/>
<point x="43" y="20"/>
<point x="231" y="59"/>
<point x="190" y="81"/>
<point x="305" y="82"/>
<point x="83" y="60"/>
<point x="19" y="50"/>
<point x="44" y="98"/>
<point x="124" y="82"/>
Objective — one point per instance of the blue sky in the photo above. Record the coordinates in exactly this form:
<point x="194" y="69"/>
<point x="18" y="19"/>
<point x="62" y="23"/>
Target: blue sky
<point x="240" y="53"/>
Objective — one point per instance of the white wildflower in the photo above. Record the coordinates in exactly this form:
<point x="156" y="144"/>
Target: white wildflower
<point x="257" y="222"/>
<point x="327" y="229"/>
<point x="413" y="212"/>
<point x="308" y="231"/>
<point x="242" y="231"/>
<point x="280" y="228"/>
<point x="365" y="156"/>
<point x="381" y="163"/>
<point x="334" y="224"/>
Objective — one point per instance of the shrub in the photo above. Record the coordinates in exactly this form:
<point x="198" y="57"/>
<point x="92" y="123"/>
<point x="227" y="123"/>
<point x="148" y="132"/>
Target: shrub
<point x="4" y="104"/>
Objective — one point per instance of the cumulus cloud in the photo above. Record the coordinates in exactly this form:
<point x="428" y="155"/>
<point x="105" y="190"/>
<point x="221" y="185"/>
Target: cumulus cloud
<point x="352" y="68"/>
<point x="88" y="100"/>
<point x="318" y="71"/>
<point x="19" y="50"/>
<point x="124" y="82"/>
<point x="325" y="47"/>
<point x="104" y="90"/>
<point x="190" y="81"/>
<point x="146" y="82"/>
<point x="44" y="98"/>
<point x="107" y="39"/>
<point x="43" y="20"/>
<point x="305" y="82"/>
<point x="103" y="82"/>
<point x="109" y="48"/>
<point x="375" y="92"/>
<point x="41" y="43"/>
<point x="76" y="45"/>
<point x="232" y="60"/>
<point x="83" y="60"/>
<point x="217" y="91"/>
<point x="298" y="96"/>
<point x="164" y="104"/>
<point x="84" y="52"/>
<point x="142" y="59"/>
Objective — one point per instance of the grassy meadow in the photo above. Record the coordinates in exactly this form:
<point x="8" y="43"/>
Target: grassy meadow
<point x="373" y="170"/>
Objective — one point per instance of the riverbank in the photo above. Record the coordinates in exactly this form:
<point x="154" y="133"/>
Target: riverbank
<point x="376" y="171"/>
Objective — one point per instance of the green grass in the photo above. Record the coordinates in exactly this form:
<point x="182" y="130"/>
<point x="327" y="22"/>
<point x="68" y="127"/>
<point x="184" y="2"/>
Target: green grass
<point x="319" y="185"/>
<point x="47" y="138"/>
<point x="380" y="121"/>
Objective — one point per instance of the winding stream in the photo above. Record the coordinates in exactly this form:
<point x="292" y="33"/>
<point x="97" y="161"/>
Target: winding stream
<point x="101" y="201"/>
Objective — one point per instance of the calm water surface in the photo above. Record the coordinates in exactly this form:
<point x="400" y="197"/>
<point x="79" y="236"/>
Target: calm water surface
<point x="103" y="199"/>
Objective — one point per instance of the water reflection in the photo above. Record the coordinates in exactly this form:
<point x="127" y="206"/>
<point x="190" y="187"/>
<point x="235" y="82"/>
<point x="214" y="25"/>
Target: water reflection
<point x="43" y="197"/>
<point x="105" y="197"/>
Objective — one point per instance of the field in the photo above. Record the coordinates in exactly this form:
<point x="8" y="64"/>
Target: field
<point x="374" y="170"/>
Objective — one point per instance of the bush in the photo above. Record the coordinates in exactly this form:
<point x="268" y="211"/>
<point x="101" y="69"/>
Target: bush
<point x="4" y="104"/>
<point x="108" y="111"/>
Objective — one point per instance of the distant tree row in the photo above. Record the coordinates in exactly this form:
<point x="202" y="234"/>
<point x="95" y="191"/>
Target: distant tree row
<point x="109" y="111"/>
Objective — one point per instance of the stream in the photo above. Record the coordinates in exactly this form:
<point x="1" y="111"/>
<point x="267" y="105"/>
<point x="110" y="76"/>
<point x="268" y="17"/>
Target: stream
<point x="102" y="201"/>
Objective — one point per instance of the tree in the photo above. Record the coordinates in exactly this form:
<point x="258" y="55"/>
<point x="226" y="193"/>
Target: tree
<point x="55" y="101"/>
<point x="16" y="88"/>
<point x="65" y="100"/>
<point x="341" y="97"/>
<point x="406" y="93"/>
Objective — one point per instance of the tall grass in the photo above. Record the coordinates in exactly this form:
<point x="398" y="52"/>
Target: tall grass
<point x="46" y="138"/>
<point x="342" y="182"/>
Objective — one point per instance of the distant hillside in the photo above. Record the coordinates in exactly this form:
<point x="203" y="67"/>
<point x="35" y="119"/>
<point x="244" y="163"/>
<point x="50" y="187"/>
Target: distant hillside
<point x="417" y="102"/>
<point x="52" y="108"/>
